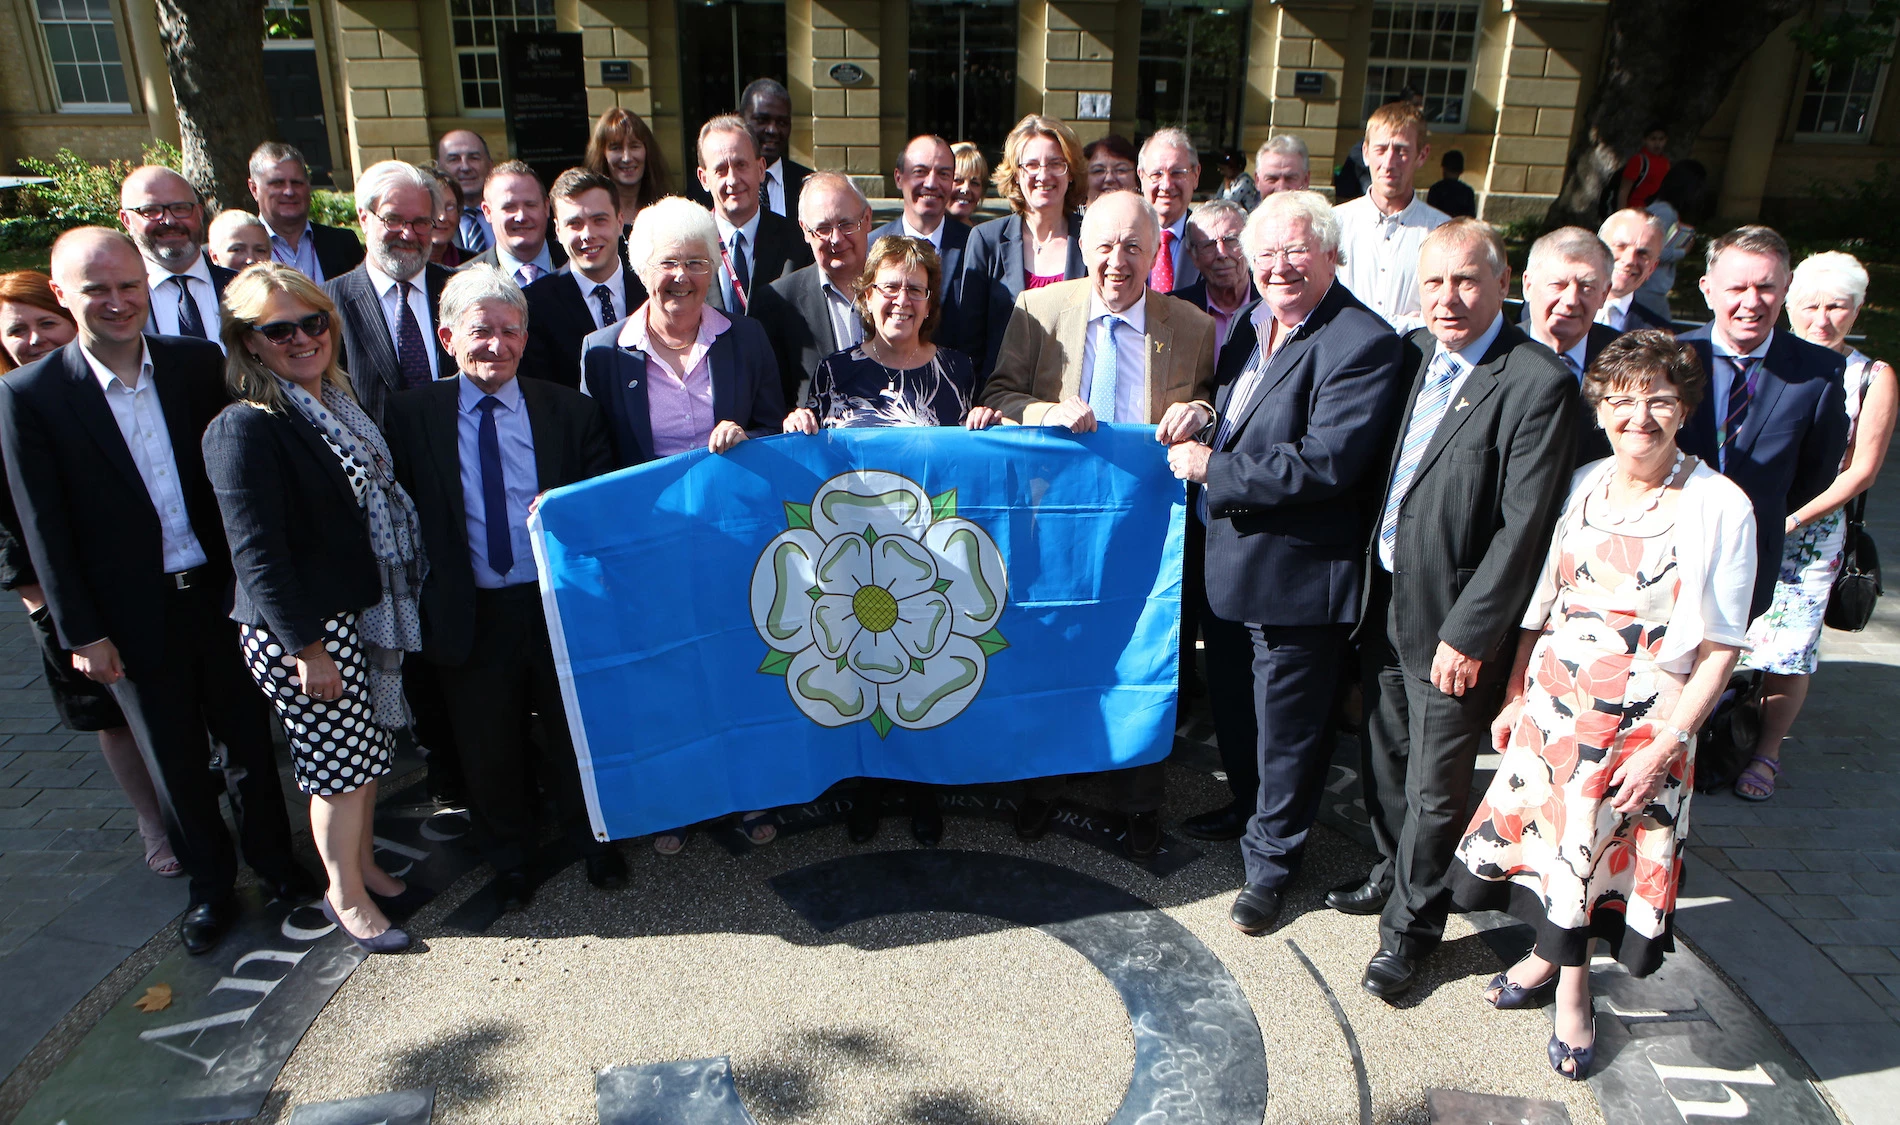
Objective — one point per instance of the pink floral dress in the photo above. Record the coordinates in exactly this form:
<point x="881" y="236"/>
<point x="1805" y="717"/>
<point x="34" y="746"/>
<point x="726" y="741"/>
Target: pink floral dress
<point x="1546" y="845"/>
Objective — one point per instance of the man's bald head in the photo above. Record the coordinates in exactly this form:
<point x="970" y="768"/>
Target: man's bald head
<point x="155" y="177"/>
<point x="463" y="154"/>
<point x="161" y="211"/>
<point x="99" y="278"/>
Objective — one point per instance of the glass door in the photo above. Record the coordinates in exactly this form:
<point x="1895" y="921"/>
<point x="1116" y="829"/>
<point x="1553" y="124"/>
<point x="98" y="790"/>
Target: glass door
<point x="963" y="71"/>
<point x="1192" y="72"/>
<point x="724" y="45"/>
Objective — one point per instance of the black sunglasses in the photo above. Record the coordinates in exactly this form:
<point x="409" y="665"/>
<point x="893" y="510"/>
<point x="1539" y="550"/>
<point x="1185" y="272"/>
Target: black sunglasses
<point x="280" y="331"/>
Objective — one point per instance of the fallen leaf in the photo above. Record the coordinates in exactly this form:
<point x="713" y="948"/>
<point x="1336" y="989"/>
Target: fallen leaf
<point x="156" y="999"/>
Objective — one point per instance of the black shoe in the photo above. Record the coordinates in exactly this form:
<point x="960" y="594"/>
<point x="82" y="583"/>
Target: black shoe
<point x="448" y="797"/>
<point x="291" y="883"/>
<point x="1362" y="897"/>
<point x="1229" y="822"/>
<point x="606" y="870"/>
<point x="1032" y="817"/>
<point x="513" y="890"/>
<point x="860" y="824"/>
<point x="1255" y="909"/>
<point x="926" y="821"/>
<point x="204" y="925"/>
<point x="1143" y="836"/>
<point x="1388" y="974"/>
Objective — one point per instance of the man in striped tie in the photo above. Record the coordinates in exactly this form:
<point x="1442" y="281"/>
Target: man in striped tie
<point x="1482" y="465"/>
<point x="1775" y="418"/>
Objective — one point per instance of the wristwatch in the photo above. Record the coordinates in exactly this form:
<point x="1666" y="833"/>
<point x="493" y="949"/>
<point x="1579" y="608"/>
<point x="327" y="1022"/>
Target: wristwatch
<point x="1680" y="737"/>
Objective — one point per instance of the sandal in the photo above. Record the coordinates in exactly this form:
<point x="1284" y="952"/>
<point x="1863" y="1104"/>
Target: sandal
<point x="159" y="858"/>
<point x="670" y="843"/>
<point x="1513" y="996"/>
<point x="758" y="828"/>
<point x="1764" y="782"/>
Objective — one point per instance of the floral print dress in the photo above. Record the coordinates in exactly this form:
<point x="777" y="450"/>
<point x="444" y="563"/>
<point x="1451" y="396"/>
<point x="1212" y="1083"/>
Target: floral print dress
<point x="1546" y="845"/>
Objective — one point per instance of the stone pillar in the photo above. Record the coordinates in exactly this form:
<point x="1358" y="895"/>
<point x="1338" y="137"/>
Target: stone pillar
<point x="1767" y="86"/>
<point x="155" y="81"/>
<point x="617" y="29"/>
<point x="844" y="119"/>
<point x="1070" y="55"/>
<point x="1539" y="81"/>
<point x="387" y="109"/>
<point x="1285" y="39"/>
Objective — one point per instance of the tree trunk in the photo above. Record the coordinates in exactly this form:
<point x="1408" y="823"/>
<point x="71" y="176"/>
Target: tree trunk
<point x="1667" y="62"/>
<point x="214" y="50"/>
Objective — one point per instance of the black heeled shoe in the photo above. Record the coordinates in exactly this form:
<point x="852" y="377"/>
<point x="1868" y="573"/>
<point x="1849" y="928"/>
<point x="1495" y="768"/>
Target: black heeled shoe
<point x="1513" y="996"/>
<point x="1579" y="1058"/>
<point x="391" y="940"/>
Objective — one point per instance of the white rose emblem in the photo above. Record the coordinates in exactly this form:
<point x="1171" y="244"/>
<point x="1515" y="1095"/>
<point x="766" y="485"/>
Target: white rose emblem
<point x="880" y="604"/>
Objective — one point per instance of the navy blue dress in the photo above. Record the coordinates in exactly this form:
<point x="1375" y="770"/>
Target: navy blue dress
<point x="852" y="389"/>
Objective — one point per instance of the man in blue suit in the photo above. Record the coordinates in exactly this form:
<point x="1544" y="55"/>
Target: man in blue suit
<point x="1289" y="488"/>
<point x="924" y="176"/>
<point x="1775" y="418"/>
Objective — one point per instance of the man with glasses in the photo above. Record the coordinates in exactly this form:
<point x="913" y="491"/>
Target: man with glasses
<point x="593" y="290"/>
<point x="809" y="313"/>
<point x="1287" y="489"/>
<point x="280" y="182"/>
<point x="1565" y="282"/>
<point x="1381" y="231"/>
<point x="388" y="303"/>
<point x="1169" y="170"/>
<point x="925" y="174"/>
<point x="1225" y="289"/>
<point x="757" y="246"/>
<point x="102" y="446"/>
<point x="161" y="212"/>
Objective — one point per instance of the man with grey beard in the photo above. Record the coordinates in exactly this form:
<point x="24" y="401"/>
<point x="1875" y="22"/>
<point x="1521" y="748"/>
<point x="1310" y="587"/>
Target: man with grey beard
<point x="388" y="304"/>
<point x="161" y="211"/>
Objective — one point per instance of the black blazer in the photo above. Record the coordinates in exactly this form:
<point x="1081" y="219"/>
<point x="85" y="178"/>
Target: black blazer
<point x="792" y="310"/>
<point x="299" y="540"/>
<point x="1478" y="517"/>
<point x="1791" y="443"/>
<point x="560" y="316"/>
<point x="779" y="249"/>
<point x="369" y="351"/>
<point x="1592" y="443"/>
<point x="956" y="238"/>
<point x="570" y="444"/>
<point x="338" y="250"/>
<point x="744" y="378"/>
<point x="992" y="280"/>
<point x="1641" y="316"/>
<point x="88" y="522"/>
<point x="1295" y="485"/>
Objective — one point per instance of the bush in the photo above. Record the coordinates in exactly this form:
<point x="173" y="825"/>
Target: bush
<point x="81" y="194"/>
<point x="1861" y="216"/>
<point x="333" y="208"/>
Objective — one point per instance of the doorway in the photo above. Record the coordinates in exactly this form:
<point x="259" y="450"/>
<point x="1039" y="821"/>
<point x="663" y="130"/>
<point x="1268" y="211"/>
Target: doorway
<point x="1192" y="73"/>
<point x="724" y="46"/>
<point x="963" y="71"/>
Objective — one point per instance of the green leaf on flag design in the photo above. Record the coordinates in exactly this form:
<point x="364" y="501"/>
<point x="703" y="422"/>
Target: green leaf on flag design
<point x="775" y="663"/>
<point x="943" y="506"/>
<point x="881" y="722"/>
<point x="991" y="643"/>
<point x="797" y="516"/>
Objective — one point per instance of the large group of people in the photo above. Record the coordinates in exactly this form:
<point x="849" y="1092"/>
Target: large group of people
<point x="266" y="467"/>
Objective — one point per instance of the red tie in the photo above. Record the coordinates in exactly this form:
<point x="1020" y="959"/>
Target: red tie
<point x="1161" y="277"/>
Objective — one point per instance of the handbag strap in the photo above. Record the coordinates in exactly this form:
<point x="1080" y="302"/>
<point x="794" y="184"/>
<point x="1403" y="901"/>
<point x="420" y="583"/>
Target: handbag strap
<point x="1857" y="512"/>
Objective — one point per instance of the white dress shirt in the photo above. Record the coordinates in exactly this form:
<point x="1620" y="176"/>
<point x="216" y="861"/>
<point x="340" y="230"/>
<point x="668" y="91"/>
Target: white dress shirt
<point x="846" y="326"/>
<point x="935" y="237"/>
<point x="1463" y="360"/>
<point x="1131" y="356"/>
<point x="162" y="320"/>
<point x="616" y="284"/>
<point x="141" y="420"/>
<point x="391" y="296"/>
<point x="1616" y="312"/>
<point x="511" y="265"/>
<point x="772" y="189"/>
<point x="1381" y="255"/>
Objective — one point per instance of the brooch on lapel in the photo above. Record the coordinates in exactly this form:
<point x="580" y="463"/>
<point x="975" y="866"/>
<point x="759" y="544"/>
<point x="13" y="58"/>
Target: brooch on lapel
<point x="1462" y="403"/>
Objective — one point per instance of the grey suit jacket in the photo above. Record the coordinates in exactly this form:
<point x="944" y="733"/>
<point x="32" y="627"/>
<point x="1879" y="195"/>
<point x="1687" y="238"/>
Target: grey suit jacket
<point x="799" y="325"/>
<point x="369" y="352"/>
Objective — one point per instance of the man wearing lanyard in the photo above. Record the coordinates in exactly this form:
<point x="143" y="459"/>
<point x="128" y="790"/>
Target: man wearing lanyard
<point x="1775" y="418"/>
<point x="756" y="245"/>
<point x="161" y="212"/>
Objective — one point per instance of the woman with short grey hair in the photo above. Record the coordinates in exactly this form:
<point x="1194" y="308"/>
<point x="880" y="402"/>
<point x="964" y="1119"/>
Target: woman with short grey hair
<point x="1825" y="297"/>
<point x="677" y="375"/>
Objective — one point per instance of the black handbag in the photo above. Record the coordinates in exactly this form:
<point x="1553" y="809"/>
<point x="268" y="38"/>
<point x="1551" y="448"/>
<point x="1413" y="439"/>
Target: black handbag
<point x="1850" y="604"/>
<point x="1727" y="741"/>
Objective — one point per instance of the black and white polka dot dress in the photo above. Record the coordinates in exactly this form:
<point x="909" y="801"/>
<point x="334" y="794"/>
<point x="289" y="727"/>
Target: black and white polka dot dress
<point x="334" y="745"/>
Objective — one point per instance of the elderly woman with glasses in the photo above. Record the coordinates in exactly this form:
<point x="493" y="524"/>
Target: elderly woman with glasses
<point x="329" y="565"/>
<point x="896" y="377"/>
<point x="1825" y="297"/>
<point x="1630" y="636"/>
<point x="1038" y="244"/>
<point x="676" y="374"/>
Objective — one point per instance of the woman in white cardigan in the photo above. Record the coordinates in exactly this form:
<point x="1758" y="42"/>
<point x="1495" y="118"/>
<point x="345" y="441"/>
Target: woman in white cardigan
<point x="1635" y="625"/>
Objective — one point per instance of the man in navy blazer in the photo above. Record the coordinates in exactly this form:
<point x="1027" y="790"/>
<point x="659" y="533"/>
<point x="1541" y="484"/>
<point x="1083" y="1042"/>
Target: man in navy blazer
<point x="594" y="289"/>
<point x="1635" y="238"/>
<point x="1566" y="281"/>
<point x="1775" y="418"/>
<point x="1288" y="490"/>
<point x="924" y="175"/>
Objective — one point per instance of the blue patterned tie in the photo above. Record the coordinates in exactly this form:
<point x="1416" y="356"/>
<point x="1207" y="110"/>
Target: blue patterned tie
<point x="501" y="547"/>
<point x="412" y="361"/>
<point x="606" y="298"/>
<point x="1102" y="379"/>
<point x="190" y="320"/>
<point x="1426" y="414"/>
<point x="1741" y="391"/>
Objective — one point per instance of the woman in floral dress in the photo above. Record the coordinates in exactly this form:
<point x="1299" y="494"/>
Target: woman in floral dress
<point x="1630" y="636"/>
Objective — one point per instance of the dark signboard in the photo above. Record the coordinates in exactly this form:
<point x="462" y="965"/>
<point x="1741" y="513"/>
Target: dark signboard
<point x="1308" y="83"/>
<point x="544" y="99"/>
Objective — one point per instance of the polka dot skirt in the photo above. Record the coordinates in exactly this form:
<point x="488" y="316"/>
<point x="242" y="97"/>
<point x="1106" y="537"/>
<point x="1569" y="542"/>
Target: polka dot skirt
<point x="334" y="746"/>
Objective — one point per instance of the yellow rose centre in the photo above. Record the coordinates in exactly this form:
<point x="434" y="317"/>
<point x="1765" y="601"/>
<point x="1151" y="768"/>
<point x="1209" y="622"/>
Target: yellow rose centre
<point x="874" y="608"/>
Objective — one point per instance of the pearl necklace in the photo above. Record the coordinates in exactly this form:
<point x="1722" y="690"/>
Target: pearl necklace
<point x="1629" y="516"/>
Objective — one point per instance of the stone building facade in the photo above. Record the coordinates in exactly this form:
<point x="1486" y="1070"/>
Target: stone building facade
<point x="355" y="81"/>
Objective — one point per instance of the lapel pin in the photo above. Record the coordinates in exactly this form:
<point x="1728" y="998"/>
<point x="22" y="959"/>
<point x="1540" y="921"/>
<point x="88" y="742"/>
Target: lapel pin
<point x="1462" y="403"/>
<point x="632" y="383"/>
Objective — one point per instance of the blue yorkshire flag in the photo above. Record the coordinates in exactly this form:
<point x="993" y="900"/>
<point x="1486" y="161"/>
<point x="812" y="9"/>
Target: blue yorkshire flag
<point x="741" y="631"/>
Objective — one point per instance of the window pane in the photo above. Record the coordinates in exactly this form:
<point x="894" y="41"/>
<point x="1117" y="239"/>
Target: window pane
<point x="67" y="79"/>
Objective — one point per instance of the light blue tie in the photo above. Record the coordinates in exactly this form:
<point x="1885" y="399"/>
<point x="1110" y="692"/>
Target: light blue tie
<point x="1426" y="414"/>
<point x="1102" y="380"/>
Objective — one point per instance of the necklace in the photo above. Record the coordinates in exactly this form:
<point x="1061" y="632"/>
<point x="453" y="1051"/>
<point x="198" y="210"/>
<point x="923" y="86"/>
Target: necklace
<point x="887" y="358"/>
<point x="1655" y="495"/>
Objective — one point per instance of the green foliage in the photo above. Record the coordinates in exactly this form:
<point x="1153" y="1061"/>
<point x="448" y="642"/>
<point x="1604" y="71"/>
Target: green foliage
<point x="81" y="194"/>
<point x="333" y="208"/>
<point x="1852" y="33"/>
<point x="1863" y="215"/>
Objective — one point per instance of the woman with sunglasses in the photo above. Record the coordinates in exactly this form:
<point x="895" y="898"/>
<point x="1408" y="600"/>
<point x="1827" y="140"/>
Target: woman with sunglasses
<point x="329" y="564"/>
<point x="896" y="377"/>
